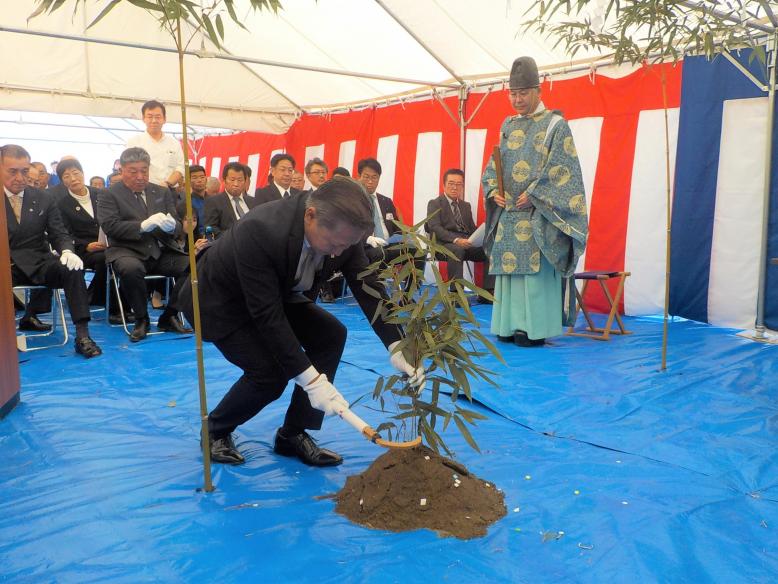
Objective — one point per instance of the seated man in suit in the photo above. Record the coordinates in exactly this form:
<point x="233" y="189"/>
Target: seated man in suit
<point x="79" y="213"/>
<point x="223" y="210"/>
<point x="140" y="221"/>
<point x="34" y="226"/>
<point x="452" y="225"/>
<point x="280" y="180"/>
<point x="251" y="307"/>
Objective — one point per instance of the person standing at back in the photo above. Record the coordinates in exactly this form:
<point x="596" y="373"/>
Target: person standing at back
<point x="167" y="156"/>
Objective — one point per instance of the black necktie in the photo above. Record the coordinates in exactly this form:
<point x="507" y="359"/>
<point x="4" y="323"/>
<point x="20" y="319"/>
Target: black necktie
<point x="286" y="195"/>
<point x="457" y="216"/>
<point x="139" y="196"/>
<point x="238" y="208"/>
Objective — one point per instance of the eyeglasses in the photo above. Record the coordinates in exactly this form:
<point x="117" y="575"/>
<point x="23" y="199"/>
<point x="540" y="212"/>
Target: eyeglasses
<point x="455" y="185"/>
<point x="318" y="172"/>
<point x="153" y="117"/>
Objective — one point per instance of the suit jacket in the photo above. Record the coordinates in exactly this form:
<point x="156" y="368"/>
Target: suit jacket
<point x="388" y="214"/>
<point x="41" y="225"/>
<point x="271" y="193"/>
<point x="120" y="215"/>
<point x="248" y="274"/>
<point x="443" y="225"/>
<point x="57" y="191"/>
<point x="82" y="226"/>
<point x="219" y="212"/>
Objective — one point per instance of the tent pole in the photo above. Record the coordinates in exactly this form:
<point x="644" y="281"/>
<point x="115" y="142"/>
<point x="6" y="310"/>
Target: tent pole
<point x="462" y="125"/>
<point x="771" y="59"/>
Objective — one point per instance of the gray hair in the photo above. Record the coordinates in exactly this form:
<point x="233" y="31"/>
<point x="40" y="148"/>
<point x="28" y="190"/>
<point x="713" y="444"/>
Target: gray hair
<point x="342" y="200"/>
<point x="134" y="155"/>
<point x="13" y="151"/>
<point x="312" y="161"/>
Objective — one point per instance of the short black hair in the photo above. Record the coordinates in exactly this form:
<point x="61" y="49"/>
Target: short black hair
<point x="247" y="168"/>
<point x="14" y="151"/>
<point x="312" y="161"/>
<point x="153" y="104"/>
<point x="454" y="171"/>
<point x="340" y="171"/>
<point x="196" y="168"/>
<point x="370" y="163"/>
<point x="281" y="156"/>
<point x="236" y="166"/>
<point x="67" y="164"/>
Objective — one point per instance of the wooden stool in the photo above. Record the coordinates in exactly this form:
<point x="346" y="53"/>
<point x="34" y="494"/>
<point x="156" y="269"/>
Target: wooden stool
<point x="593" y="332"/>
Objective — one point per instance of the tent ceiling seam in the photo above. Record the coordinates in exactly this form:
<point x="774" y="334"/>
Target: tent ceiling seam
<point x="429" y="51"/>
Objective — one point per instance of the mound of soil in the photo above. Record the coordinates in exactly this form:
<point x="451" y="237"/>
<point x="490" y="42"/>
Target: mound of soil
<point x="406" y="489"/>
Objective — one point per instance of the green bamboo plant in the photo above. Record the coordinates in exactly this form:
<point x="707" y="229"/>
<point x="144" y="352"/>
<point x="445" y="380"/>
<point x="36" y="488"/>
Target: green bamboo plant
<point x="441" y="333"/>
<point x="205" y="18"/>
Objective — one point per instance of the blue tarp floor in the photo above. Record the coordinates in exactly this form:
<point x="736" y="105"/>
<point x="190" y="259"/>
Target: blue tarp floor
<point x="639" y="475"/>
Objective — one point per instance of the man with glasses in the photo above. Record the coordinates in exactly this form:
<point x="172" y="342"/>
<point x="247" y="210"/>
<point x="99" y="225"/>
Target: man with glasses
<point x="537" y="227"/>
<point x="316" y="171"/>
<point x="167" y="156"/>
<point x="280" y="185"/>
<point x="222" y="211"/>
<point x="451" y="221"/>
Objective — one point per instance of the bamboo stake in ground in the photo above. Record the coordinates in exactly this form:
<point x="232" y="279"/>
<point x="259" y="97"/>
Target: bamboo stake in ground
<point x="207" y="484"/>
<point x="668" y="221"/>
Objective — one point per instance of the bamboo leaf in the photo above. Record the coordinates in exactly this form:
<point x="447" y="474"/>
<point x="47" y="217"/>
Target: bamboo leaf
<point x="466" y="433"/>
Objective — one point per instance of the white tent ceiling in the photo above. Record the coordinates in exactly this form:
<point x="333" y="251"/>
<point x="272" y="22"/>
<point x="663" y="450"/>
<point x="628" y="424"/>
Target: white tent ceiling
<point x="379" y="48"/>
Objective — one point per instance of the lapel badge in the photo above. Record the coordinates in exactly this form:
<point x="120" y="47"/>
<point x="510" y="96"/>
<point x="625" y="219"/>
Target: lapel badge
<point x="78" y="208"/>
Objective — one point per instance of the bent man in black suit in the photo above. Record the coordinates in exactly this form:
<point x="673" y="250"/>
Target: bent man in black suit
<point x="34" y="224"/>
<point x="453" y="225"/>
<point x="140" y="221"/>
<point x="252" y="308"/>
<point x="280" y="185"/>
<point x="223" y="210"/>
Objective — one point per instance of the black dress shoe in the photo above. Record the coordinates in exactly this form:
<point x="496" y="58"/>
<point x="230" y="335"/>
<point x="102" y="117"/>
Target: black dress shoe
<point x="327" y="298"/>
<point x="31" y="323"/>
<point x="171" y="324"/>
<point x="140" y="330"/>
<point x="503" y="339"/>
<point x="303" y="447"/>
<point x="87" y="347"/>
<point x="223" y="450"/>
<point x="117" y="318"/>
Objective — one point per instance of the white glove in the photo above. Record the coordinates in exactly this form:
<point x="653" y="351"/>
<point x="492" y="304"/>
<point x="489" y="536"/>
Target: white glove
<point x="153" y="222"/>
<point x="168" y="223"/>
<point x="71" y="261"/>
<point x="416" y="376"/>
<point x="321" y="393"/>
<point x="374" y="241"/>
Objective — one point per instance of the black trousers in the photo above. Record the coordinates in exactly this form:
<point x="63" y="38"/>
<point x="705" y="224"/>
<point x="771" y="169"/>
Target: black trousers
<point x="56" y="275"/>
<point x="321" y="335"/>
<point x="470" y="254"/>
<point x="132" y="270"/>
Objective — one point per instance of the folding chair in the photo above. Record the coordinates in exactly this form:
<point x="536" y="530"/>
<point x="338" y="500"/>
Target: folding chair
<point x="112" y="278"/>
<point x="593" y="332"/>
<point x="56" y="305"/>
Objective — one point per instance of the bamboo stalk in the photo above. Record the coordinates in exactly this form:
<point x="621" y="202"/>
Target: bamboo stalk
<point x="668" y="221"/>
<point x="208" y="485"/>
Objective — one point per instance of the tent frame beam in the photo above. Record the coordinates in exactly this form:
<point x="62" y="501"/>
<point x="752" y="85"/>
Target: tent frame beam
<point x="225" y="57"/>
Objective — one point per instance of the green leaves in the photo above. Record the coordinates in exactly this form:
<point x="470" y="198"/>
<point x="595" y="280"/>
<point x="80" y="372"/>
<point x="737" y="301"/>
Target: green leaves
<point x="441" y="332"/>
<point x="206" y="16"/>
<point x="649" y="30"/>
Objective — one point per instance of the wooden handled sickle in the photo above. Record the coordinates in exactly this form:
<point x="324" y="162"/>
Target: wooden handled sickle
<point x="372" y="435"/>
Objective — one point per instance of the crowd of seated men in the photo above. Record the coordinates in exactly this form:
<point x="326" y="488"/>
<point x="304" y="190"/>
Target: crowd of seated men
<point x="137" y="227"/>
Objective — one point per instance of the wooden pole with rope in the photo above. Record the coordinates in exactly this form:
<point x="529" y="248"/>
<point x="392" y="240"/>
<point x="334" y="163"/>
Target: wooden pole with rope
<point x="668" y="221"/>
<point x="207" y="483"/>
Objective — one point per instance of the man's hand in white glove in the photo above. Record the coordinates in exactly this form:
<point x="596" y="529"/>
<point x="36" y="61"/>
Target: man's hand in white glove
<point x="71" y="261"/>
<point x="416" y="376"/>
<point x="374" y="241"/>
<point x="168" y="223"/>
<point x="153" y="222"/>
<point x="321" y="393"/>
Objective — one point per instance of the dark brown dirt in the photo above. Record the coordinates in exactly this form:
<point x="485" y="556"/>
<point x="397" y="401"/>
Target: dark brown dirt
<point x="403" y="490"/>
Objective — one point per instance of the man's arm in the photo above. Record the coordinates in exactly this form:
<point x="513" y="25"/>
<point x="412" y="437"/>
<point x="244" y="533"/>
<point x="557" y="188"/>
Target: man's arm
<point x="177" y="176"/>
<point x="212" y="214"/>
<point x="58" y="234"/>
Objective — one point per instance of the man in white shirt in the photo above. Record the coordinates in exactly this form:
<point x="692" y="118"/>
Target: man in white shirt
<point x="167" y="156"/>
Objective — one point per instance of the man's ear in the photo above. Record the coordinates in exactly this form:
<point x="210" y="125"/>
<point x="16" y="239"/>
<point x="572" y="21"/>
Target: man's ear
<point x="310" y="214"/>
